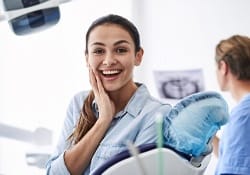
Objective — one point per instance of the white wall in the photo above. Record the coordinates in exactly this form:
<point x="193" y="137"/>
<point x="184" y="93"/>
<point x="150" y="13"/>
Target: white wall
<point x="181" y="34"/>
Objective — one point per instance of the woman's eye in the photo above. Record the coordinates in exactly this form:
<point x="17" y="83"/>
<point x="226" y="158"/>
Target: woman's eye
<point x="98" y="51"/>
<point x="121" y="50"/>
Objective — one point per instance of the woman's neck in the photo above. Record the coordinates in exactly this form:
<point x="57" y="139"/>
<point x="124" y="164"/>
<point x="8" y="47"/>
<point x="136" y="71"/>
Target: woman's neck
<point x="240" y="89"/>
<point x="122" y="96"/>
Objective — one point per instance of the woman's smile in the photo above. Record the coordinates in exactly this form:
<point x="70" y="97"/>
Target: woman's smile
<point x="110" y="74"/>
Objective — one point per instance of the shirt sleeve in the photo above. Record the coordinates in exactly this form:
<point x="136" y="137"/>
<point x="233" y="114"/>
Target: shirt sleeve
<point x="56" y="164"/>
<point x="236" y="153"/>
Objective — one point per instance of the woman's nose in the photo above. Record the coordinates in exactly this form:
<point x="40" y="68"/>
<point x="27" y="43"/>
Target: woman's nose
<point x="109" y="61"/>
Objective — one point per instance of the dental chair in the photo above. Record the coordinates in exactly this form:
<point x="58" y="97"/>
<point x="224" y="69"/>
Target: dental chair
<point x="188" y="131"/>
<point x="175" y="163"/>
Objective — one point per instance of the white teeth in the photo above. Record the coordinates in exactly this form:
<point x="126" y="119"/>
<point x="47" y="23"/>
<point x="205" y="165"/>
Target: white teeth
<point x="110" y="72"/>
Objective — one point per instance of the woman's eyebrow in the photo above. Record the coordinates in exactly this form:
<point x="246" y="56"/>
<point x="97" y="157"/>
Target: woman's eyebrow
<point x="121" y="41"/>
<point x="98" y="43"/>
<point x="116" y="43"/>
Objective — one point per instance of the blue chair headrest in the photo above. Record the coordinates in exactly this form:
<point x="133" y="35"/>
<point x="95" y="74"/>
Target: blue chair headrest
<point x="194" y="121"/>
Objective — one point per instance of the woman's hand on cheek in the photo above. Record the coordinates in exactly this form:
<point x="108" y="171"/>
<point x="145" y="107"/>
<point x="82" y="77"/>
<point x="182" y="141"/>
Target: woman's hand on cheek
<point x="106" y="106"/>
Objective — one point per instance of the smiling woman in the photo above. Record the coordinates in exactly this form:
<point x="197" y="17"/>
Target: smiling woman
<point x="40" y="72"/>
<point x="96" y="117"/>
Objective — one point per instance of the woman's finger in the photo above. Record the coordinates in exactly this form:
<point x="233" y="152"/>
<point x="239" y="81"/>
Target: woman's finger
<point x="99" y="83"/>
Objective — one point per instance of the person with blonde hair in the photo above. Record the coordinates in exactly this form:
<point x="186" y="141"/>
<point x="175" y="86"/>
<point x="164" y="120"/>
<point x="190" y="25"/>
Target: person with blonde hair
<point x="233" y="74"/>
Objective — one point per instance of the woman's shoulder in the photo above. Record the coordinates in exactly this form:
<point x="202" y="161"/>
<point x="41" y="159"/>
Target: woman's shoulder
<point x="150" y="102"/>
<point x="78" y="98"/>
<point x="144" y="95"/>
<point x="80" y="95"/>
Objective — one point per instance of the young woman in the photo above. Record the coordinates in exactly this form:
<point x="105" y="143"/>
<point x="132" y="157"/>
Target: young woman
<point x="233" y="73"/>
<point x="95" y="119"/>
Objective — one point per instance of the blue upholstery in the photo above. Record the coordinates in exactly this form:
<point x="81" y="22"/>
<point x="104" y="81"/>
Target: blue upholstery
<point x="194" y="121"/>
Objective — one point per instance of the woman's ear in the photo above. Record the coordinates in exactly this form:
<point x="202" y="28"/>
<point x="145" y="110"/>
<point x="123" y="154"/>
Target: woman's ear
<point x="138" y="57"/>
<point x="223" y="67"/>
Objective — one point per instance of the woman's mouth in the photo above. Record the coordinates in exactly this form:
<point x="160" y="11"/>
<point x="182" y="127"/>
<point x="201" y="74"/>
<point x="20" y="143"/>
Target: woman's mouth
<point x="110" y="73"/>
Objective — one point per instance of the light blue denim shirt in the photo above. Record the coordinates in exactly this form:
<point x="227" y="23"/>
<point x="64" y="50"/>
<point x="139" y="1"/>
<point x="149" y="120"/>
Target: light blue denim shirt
<point x="135" y="123"/>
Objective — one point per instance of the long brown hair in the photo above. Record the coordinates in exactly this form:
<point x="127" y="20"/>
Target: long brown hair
<point x="87" y="118"/>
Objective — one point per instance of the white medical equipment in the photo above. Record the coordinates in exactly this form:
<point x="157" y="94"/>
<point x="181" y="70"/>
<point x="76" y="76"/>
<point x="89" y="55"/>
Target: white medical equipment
<point x="175" y="163"/>
<point x="29" y="16"/>
<point x="41" y="139"/>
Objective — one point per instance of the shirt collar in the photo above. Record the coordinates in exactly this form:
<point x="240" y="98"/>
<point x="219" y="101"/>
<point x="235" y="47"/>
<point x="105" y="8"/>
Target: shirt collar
<point x="135" y="104"/>
<point x="138" y="100"/>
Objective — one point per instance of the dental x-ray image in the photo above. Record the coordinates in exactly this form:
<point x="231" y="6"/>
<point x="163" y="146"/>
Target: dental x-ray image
<point x="178" y="84"/>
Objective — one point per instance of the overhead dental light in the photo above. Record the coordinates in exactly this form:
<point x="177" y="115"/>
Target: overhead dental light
<point x="29" y="16"/>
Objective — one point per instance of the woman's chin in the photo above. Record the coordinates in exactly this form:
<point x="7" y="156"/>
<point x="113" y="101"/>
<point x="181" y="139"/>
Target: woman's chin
<point x="110" y="87"/>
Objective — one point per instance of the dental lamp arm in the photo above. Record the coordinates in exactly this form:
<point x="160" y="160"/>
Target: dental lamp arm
<point x="15" y="13"/>
<point x="41" y="136"/>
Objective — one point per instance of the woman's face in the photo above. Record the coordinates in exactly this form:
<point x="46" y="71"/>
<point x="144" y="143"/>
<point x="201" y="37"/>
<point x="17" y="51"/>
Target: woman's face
<point x="111" y="55"/>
